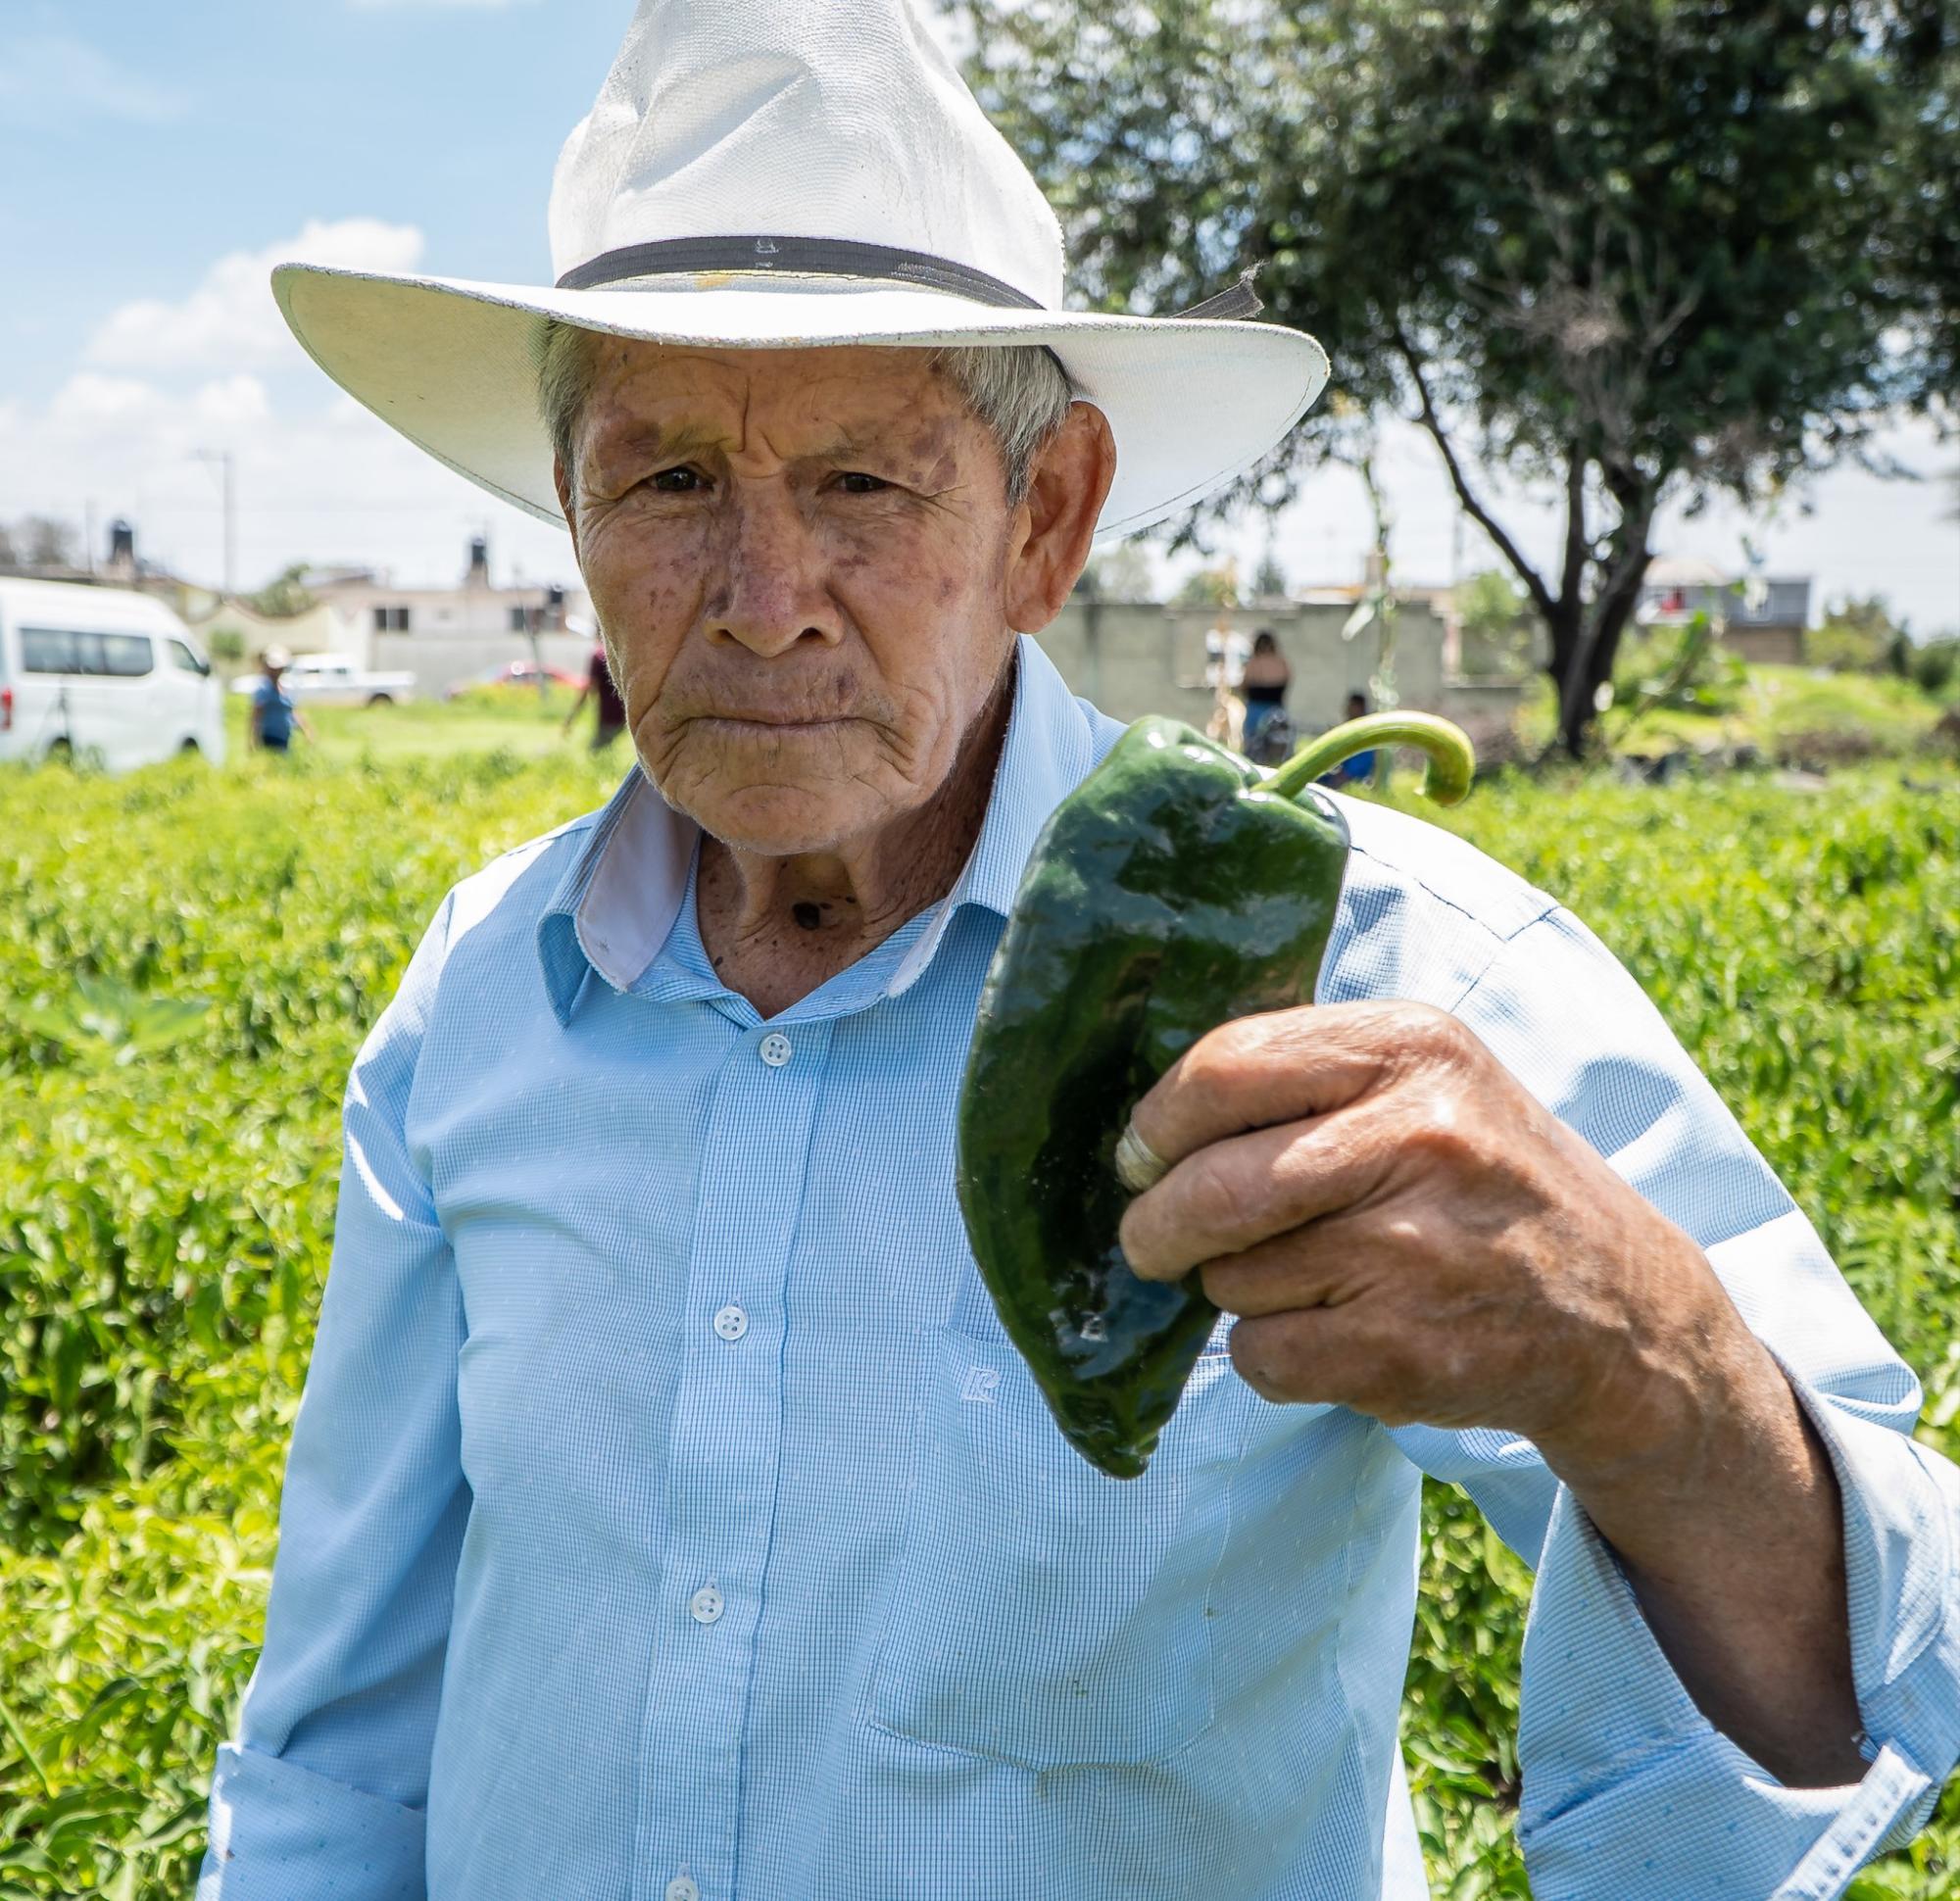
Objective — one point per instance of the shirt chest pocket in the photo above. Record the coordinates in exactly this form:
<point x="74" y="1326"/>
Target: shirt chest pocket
<point x="1045" y="1614"/>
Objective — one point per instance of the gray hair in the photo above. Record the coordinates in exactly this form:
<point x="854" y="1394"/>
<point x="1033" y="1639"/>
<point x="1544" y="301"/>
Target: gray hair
<point x="1020" y="391"/>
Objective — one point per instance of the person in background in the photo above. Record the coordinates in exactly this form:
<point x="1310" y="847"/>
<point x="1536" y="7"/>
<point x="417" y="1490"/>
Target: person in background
<point x="610" y="720"/>
<point x="274" y="716"/>
<point x="1360" y="769"/>
<point x="1268" y="732"/>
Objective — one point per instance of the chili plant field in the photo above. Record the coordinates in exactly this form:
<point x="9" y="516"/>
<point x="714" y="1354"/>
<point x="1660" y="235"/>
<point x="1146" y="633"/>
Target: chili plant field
<point x="188" y="960"/>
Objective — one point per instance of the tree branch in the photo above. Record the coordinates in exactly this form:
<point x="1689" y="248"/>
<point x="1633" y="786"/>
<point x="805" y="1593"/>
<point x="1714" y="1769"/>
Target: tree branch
<point x="1574" y="573"/>
<point x="1534" y="586"/>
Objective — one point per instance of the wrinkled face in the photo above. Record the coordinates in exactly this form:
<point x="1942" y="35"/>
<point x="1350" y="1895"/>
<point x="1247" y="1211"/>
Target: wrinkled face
<point x="797" y="558"/>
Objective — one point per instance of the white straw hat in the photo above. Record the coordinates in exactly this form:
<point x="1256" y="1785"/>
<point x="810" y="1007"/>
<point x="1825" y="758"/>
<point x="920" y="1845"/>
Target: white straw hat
<point x="787" y="172"/>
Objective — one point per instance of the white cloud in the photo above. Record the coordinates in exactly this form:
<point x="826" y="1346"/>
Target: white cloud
<point x="92" y="421"/>
<point x="317" y="479"/>
<point x="88" y="401"/>
<point x="230" y="318"/>
<point x="48" y="82"/>
<point x="237" y="402"/>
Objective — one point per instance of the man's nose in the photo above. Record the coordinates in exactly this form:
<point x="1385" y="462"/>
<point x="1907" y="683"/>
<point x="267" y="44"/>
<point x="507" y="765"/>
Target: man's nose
<point x="772" y="593"/>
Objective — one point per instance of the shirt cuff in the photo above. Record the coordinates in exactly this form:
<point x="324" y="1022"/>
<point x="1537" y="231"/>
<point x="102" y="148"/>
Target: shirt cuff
<point x="1628" y="1789"/>
<point x="281" y="1832"/>
<point x="1902" y="1506"/>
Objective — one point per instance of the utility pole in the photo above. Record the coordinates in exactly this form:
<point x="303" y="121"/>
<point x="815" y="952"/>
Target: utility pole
<point x="222" y="457"/>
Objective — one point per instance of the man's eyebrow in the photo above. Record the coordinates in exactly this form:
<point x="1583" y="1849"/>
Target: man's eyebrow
<point x="847" y="440"/>
<point x="882" y="439"/>
<point x="649" y="439"/>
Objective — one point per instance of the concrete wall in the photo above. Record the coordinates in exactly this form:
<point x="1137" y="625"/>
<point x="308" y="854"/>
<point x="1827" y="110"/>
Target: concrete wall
<point x="1136" y="658"/>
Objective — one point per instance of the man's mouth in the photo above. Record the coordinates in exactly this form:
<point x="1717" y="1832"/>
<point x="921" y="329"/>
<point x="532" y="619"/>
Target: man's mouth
<point x="774" y="724"/>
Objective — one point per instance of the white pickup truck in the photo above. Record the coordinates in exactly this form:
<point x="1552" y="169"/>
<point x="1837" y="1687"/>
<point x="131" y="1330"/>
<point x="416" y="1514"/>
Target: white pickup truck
<point x="333" y="680"/>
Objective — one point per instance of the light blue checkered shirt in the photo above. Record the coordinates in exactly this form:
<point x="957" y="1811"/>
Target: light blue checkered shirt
<point x="667" y="1515"/>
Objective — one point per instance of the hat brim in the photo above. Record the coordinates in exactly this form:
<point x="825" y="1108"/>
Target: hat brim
<point x="452" y="364"/>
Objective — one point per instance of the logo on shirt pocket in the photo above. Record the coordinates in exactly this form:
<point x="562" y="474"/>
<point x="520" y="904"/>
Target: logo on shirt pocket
<point x="1043" y="1612"/>
<point x="980" y="1383"/>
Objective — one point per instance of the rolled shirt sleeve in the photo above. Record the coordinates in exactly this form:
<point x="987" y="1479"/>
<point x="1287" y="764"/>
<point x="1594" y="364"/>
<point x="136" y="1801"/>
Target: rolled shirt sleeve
<point x="1628" y="1788"/>
<point x="323" y="1791"/>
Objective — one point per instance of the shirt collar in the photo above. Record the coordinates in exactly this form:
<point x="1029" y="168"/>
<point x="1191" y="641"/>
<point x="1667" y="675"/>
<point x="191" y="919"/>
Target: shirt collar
<point x="620" y="897"/>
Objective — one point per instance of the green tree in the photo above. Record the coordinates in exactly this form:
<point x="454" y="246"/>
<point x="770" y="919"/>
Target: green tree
<point x="1936" y="666"/>
<point x="38" y="541"/>
<point x="1269" y="578"/>
<point x="1125" y="573"/>
<point x="1860" y="636"/>
<point x="1209" y="587"/>
<point x="1494" y="620"/>
<point x="1625" y="254"/>
<point x="283" y="596"/>
<point x="1928" y="266"/>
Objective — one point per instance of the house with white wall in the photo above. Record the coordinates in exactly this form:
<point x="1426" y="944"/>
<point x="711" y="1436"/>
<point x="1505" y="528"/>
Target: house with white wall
<point x="446" y="636"/>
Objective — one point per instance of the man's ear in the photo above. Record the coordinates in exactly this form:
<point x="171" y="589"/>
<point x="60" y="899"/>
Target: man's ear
<point x="1051" y="529"/>
<point x="563" y="483"/>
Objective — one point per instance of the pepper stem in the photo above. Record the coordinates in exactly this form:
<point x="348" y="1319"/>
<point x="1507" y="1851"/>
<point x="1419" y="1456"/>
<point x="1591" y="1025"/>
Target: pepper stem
<point x="1453" y="761"/>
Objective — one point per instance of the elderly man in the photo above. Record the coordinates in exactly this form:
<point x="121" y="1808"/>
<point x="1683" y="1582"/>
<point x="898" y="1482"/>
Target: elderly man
<point x="667" y="1514"/>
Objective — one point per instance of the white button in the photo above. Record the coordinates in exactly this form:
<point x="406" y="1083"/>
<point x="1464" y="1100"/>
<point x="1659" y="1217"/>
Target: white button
<point x="681" y="1888"/>
<point x="731" y="1323"/>
<point x="706" y="1604"/>
<point x="775" y="1049"/>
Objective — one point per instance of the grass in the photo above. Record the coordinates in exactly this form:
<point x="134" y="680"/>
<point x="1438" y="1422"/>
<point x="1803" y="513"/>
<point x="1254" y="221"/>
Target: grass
<point x="497" y="720"/>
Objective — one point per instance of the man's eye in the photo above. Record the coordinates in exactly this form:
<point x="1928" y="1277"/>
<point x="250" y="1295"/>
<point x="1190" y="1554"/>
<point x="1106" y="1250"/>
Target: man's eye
<point x="856" y="483"/>
<point x="678" y="482"/>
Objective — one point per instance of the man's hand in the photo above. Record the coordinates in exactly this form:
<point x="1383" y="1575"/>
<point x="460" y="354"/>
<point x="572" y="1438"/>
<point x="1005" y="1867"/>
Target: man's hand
<point x="1405" y="1230"/>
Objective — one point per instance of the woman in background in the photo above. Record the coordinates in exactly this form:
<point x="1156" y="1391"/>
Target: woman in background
<point x="1269" y="731"/>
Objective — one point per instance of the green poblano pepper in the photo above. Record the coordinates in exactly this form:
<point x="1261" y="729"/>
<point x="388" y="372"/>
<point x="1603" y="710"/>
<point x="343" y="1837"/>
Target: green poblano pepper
<point x="1176" y="888"/>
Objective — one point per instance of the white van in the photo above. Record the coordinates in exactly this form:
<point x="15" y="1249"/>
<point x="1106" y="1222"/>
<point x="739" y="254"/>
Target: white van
<point x="101" y="675"/>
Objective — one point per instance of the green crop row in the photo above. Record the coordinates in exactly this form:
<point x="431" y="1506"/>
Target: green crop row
<point x="188" y="960"/>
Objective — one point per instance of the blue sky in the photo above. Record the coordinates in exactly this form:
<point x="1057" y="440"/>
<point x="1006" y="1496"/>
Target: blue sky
<point x="155" y="159"/>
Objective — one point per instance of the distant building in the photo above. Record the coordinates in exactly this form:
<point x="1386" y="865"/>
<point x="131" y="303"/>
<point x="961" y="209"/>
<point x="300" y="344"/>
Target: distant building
<point x="375" y="609"/>
<point x="1764" y="621"/>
